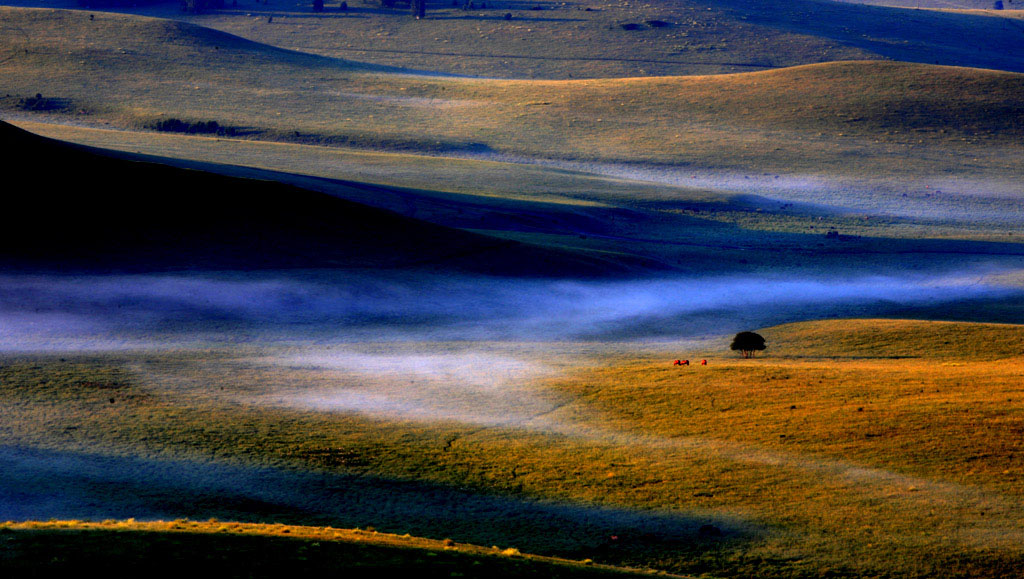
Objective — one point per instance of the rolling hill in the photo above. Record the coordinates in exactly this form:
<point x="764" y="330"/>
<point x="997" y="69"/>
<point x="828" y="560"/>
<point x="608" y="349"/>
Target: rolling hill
<point x="326" y="355"/>
<point x="94" y="71"/>
<point x="86" y="209"/>
<point x="851" y="443"/>
<point x="886" y="140"/>
<point x="602" y="38"/>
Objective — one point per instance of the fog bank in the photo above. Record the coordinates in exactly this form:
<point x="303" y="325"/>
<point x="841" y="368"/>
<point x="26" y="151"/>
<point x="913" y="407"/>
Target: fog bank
<point x="82" y="312"/>
<point x="468" y="385"/>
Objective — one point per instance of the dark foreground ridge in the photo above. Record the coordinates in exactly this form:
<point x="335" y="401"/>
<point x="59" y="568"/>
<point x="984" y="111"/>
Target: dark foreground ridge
<point x="247" y="550"/>
<point x="86" y="209"/>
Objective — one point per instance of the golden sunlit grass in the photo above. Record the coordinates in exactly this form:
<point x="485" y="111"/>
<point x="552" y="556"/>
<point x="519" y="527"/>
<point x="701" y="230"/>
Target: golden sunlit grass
<point x="998" y="13"/>
<point x="940" y="400"/>
<point x="857" y="447"/>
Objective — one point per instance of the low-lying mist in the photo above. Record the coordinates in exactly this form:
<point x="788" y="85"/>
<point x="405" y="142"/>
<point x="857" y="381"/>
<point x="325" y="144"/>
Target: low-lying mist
<point x="469" y="350"/>
<point x="55" y="312"/>
<point x="462" y="385"/>
<point x="425" y="347"/>
<point x="949" y="199"/>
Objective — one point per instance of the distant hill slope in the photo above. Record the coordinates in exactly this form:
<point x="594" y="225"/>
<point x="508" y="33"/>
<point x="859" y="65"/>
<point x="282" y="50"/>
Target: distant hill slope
<point x="606" y="38"/>
<point x="939" y="4"/>
<point x="181" y="42"/>
<point x="880" y="338"/>
<point x="925" y="36"/>
<point x="79" y="208"/>
<point x="139" y="72"/>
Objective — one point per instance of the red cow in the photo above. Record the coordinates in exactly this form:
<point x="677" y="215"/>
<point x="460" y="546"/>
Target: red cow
<point x="703" y="362"/>
<point x="677" y="363"/>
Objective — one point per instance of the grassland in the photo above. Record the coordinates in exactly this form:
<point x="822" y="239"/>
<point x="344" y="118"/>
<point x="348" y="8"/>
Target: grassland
<point x="571" y="223"/>
<point x="292" y="386"/>
<point x="98" y="64"/>
<point x="852" y="448"/>
<point x="879" y="149"/>
<point x="602" y="39"/>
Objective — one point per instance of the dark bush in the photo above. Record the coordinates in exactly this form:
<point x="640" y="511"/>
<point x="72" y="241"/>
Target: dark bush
<point x="193" y="128"/>
<point x="39" y="103"/>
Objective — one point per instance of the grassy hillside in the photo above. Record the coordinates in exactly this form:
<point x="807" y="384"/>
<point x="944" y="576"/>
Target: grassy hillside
<point x="611" y="39"/>
<point x="252" y="550"/>
<point x="143" y="78"/>
<point x="850" y="448"/>
<point x="909" y="35"/>
<point x="878" y="139"/>
<point x="497" y="196"/>
<point x="890" y="461"/>
<point x="541" y="40"/>
<point x="897" y="338"/>
<point x="96" y="211"/>
<point x="590" y="226"/>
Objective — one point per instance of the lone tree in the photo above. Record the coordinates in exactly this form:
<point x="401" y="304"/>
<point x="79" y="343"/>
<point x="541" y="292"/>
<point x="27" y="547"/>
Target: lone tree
<point x="749" y="343"/>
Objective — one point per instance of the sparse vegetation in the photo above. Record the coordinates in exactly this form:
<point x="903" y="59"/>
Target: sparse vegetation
<point x="192" y="128"/>
<point x="39" y="103"/>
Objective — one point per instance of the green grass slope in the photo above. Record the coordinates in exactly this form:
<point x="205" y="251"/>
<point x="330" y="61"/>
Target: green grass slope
<point x="81" y="208"/>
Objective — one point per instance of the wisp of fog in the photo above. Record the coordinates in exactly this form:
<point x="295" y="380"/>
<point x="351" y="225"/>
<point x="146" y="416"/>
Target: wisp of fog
<point x="146" y="311"/>
<point x="314" y="326"/>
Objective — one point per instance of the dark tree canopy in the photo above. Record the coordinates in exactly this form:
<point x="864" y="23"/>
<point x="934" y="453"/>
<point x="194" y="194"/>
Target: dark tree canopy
<point x="748" y="343"/>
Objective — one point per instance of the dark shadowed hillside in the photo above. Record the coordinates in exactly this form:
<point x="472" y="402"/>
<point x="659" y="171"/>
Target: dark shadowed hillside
<point x="87" y="209"/>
